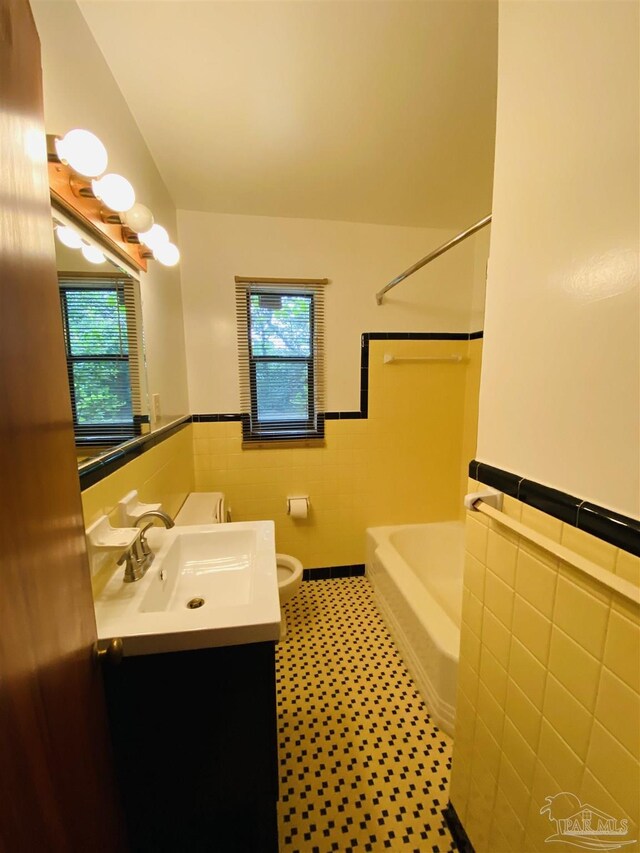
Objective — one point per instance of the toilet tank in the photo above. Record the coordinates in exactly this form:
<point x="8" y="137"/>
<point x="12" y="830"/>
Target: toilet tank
<point x="202" y="508"/>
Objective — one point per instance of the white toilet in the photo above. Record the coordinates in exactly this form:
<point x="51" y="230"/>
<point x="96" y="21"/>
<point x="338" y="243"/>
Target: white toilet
<point x="289" y="580"/>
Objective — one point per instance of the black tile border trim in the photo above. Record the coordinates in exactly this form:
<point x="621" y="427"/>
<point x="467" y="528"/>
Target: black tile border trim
<point x="332" y="572"/>
<point x="93" y="472"/>
<point x="363" y="412"/>
<point x="203" y="419"/>
<point x="456" y="829"/>
<point x="390" y="336"/>
<point x="612" y="527"/>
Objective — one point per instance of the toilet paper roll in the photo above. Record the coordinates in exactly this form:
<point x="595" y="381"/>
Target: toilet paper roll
<point x="298" y="507"/>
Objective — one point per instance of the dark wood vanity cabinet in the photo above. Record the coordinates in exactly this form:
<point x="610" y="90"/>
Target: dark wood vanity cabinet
<point x="195" y="740"/>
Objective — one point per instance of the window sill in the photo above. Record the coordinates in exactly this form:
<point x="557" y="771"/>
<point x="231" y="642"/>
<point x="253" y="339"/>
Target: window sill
<point x="278" y="443"/>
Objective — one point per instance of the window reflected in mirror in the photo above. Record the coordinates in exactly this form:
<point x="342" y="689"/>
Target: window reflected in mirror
<point x="102" y="324"/>
<point x="101" y="332"/>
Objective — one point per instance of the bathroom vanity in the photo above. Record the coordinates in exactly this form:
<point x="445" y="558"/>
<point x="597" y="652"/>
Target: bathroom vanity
<point x="191" y="690"/>
<point x="195" y="741"/>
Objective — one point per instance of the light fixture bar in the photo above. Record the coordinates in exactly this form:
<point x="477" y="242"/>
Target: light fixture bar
<point x="106" y="202"/>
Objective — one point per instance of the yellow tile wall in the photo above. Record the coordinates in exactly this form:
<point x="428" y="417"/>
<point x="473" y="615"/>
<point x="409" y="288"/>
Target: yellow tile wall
<point x="400" y="465"/>
<point x="470" y="423"/>
<point x="163" y="474"/>
<point x="548" y="692"/>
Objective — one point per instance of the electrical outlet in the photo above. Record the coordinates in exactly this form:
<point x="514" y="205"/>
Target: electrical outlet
<point x="155" y="400"/>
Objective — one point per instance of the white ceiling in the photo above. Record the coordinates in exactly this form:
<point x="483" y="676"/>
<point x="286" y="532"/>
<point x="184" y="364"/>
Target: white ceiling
<point x="368" y="111"/>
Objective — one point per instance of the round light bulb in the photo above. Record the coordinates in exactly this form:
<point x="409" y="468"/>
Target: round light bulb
<point x="167" y="254"/>
<point x="68" y="237"/>
<point x="115" y="191"/>
<point x="93" y="255"/>
<point x="139" y="218"/>
<point x="156" y="236"/>
<point x="83" y="151"/>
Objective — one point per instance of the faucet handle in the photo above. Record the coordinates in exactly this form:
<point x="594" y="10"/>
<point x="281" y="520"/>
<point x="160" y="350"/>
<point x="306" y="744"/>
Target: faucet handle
<point x="133" y="567"/>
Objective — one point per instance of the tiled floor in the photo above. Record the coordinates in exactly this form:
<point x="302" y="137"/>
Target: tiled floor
<point x="361" y="765"/>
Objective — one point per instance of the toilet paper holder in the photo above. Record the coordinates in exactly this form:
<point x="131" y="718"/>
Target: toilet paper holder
<point x="295" y="508"/>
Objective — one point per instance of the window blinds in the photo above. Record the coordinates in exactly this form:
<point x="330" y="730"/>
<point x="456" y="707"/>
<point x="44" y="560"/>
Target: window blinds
<point x="281" y="358"/>
<point x="103" y="347"/>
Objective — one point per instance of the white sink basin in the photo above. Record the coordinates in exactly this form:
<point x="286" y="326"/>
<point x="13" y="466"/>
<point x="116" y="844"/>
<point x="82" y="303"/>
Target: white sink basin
<point x="209" y="585"/>
<point x="213" y="566"/>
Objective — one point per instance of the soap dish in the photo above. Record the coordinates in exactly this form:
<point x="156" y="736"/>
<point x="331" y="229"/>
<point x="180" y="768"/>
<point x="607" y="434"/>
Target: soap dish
<point x="131" y="508"/>
<point x="101" y="536"/>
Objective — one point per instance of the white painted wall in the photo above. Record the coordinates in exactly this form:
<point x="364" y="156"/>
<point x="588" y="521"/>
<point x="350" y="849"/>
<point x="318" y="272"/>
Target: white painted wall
<point x="560" y="383"/>
<point x="79" y="91"/>
<point x="358" y="259"/>
<point x="480" y="260"/>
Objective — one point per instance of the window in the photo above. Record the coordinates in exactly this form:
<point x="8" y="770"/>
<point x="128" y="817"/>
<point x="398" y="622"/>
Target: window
<point x="280" y="331"/>
<point x="102" y="347"/>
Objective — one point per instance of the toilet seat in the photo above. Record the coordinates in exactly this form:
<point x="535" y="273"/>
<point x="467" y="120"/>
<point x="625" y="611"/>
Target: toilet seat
<point x="289" y="576"/>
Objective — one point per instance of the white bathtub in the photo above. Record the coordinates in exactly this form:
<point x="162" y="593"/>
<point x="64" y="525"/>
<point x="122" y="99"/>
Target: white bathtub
<point x="416" y="574"/>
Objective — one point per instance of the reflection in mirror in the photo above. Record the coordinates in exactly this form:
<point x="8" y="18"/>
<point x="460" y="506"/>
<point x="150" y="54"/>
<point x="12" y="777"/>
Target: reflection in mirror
<point x="101" y="314"/>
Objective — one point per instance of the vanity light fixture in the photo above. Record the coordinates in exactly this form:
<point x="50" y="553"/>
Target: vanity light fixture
<point x="155" y="237"/>
<point x="114" y="191"/>
<point x="167" y="253"/>
<point x="68" y="237"/>
<point x="138" y="218"/>
<point x="92" y="254"/>
<point x="83" y="152"/>
<point x="77" y="162"/>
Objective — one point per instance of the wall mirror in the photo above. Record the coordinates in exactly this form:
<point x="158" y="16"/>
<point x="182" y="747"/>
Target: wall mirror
<point x="102" y="323"/>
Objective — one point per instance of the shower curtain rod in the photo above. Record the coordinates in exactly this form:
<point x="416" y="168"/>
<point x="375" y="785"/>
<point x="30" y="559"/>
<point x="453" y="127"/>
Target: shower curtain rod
<point x="432" y="255"/>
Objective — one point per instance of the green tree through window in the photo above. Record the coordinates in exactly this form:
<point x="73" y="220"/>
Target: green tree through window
<point x="281" y="360"/>
<point x="97" y="347"/>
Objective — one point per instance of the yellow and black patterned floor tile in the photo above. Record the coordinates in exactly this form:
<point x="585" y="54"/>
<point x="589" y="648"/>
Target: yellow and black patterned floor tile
<point x="362" y="767"/>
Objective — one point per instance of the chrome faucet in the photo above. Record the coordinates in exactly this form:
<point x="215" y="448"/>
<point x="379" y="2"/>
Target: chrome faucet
<point x="145" y="555"/>
<point x="156" y="513"/>
<point x="134" y="565"/>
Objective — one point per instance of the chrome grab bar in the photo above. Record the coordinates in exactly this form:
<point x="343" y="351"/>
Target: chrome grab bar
<point x="440" y="359"/>
<point x="489" y="504"/>
<point x="432" y="255"/>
